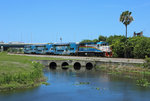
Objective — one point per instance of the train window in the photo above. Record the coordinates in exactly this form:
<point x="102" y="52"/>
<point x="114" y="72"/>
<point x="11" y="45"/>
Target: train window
<point x="103" y="44"/>
<point x="98" y="45"/>
<point x="71" y="48"/>
<point x="60" y="50"/>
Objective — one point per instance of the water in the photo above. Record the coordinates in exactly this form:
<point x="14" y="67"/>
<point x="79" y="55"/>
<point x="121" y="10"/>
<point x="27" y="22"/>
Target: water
<point x="65" y="86"/>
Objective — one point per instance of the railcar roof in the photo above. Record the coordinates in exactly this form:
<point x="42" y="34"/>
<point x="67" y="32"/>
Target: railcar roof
<point x="63" y="44"/>
<point x="101" y="42"/>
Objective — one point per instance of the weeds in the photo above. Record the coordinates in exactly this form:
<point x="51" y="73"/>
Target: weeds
<point x="143" y="83"/>
<point x="19" y="72"/>
<point x="83" y="83"/>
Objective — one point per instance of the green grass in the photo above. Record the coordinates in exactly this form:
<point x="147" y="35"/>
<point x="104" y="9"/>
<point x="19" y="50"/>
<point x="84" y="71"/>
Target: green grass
<point x="38" y="58"/>
<point x="20" y="72"/>
<point x="115" y="70"/>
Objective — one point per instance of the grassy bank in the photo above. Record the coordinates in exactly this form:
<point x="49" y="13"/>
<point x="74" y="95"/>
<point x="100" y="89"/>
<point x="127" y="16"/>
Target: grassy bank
<point x="124" y="70"/>
<point x="141" y="75"/>
<point x="20" y="72"/>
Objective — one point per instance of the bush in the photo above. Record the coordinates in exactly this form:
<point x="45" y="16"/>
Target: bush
<point x="142" y="47"/>
<point x="134" y="47"/>
<point x="147" y="62"/>
<point x="118" y="45"/>
<point x="15" y="50"/>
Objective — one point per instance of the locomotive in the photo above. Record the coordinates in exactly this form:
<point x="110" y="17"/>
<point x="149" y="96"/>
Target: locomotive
<point x="78" y="49"/>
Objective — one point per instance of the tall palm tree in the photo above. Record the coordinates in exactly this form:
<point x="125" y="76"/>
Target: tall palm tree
<point x="126" y="19"/>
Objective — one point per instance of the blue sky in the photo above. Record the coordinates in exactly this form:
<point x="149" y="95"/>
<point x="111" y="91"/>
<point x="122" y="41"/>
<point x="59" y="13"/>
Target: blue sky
<point x="43" y="21"/>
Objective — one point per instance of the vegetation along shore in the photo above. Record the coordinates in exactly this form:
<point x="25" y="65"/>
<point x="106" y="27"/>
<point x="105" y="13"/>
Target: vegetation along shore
<point x="140" y="73"/>
<point x="20" y="72"/>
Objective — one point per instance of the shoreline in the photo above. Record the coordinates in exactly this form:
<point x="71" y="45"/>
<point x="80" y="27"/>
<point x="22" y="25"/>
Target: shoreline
<point x="18" y="72"/>
<point x="24" y="65"/>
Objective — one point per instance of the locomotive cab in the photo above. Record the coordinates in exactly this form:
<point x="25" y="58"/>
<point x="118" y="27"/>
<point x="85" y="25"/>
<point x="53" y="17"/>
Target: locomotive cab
<point x="94" y="48"/>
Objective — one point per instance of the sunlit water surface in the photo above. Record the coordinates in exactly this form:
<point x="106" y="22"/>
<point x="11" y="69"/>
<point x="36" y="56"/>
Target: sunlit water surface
<point x="81" y="86"/>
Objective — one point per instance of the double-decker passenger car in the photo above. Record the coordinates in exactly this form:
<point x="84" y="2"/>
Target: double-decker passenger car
<point x="29" y="49"/>
<point x="48" y="49"/>
<point x="40" y="49"/>
<point x="65" y="48"/>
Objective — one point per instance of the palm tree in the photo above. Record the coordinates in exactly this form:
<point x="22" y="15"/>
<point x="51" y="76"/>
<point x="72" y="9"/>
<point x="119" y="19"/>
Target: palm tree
<point x="126" y="19"/>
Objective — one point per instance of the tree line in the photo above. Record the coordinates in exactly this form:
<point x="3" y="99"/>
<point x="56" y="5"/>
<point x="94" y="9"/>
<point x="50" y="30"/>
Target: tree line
<point x="132" y="47"/>
<point x="122" y="46"/>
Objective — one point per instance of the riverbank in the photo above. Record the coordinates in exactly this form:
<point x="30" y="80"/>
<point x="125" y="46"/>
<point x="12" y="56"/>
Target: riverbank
<point x="140" y="75"/>
<point x="142" y="69"/>
<point x="18" y="72"/>
<point x="110" y="65"/>
<point x="124" y="70"/>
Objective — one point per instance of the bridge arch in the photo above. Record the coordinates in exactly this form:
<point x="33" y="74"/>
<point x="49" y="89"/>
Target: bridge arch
<point x="52" y="65"/>
<point x="77" y="66"/>
<point x="65" y="65"/>
<point x="89" y="66"/>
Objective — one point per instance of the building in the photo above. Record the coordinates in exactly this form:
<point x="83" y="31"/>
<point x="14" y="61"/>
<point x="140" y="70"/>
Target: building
<point x="138" y="34"/>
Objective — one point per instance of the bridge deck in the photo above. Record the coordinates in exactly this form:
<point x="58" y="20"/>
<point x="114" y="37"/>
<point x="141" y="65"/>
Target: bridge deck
<point x="102" y="59"/>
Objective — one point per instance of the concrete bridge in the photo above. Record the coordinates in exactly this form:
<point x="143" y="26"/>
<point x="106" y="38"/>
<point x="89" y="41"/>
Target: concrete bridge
<point x="6" y="46"/>
<point x="68" y="64"/>
<point x="82" y="64"/>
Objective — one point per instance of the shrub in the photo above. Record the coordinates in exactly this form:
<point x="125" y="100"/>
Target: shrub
<point x="147" y="62"/>
<point x="142" y="83"/>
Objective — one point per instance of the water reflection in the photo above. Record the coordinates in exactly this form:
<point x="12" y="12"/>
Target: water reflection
<point x="68" y="85"/>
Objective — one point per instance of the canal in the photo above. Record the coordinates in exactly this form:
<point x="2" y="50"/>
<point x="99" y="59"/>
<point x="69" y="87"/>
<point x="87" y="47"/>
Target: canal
<point x="81" y="86"/>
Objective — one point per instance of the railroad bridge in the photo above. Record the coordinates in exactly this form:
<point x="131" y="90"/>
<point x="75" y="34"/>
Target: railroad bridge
<point x="82" y="64"/>
<point x="68" y="64"/>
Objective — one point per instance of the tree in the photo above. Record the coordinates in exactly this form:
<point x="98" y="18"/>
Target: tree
<point x="142" y="47"/>
<point x="95" y="40"/>
<point x="126" y="19"/>
<point x="102" y="38"/>
<point x="117" y="44"/>
<point x="112" y="39"/>
<point x="86" y="40"/>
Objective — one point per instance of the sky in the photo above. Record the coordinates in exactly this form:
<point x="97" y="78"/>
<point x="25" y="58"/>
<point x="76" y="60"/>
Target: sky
<point x="46" y="21"/>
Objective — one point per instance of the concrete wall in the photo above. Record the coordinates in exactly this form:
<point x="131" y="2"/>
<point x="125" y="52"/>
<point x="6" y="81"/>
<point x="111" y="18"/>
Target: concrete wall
<point x="71" y="63"/>
<point x="84" y="65"/>
<point x="117" y="64"/>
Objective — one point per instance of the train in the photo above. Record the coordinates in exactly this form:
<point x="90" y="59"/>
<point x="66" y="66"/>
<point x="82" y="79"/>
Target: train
<point x="72" y="48"/>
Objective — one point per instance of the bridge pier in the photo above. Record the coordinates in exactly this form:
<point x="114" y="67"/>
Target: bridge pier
<point x="2" y="48"/>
